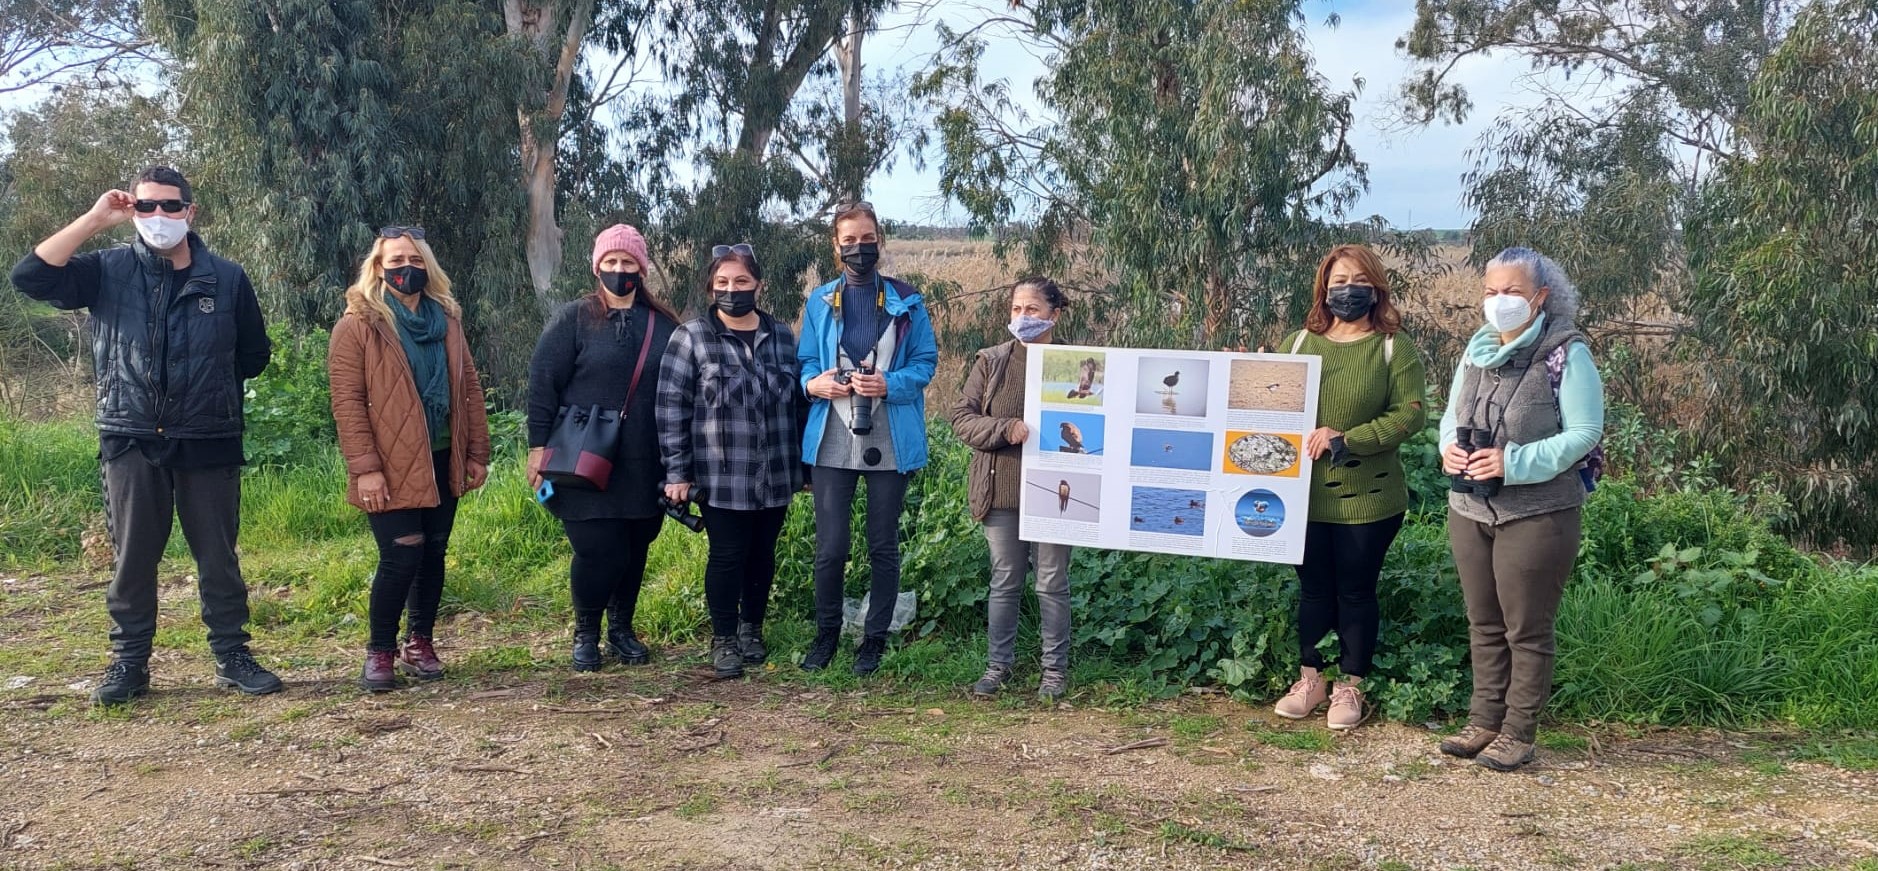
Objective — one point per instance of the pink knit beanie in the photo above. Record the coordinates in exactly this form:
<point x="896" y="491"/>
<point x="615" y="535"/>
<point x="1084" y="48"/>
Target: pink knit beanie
<point x="620" y="237"/>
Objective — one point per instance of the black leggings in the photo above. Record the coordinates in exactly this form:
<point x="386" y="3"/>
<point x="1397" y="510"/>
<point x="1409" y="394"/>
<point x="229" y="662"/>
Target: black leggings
<point x="411" y="545"/>
<point x="1337" y="590"/>
<point x="610" y="562"/>
<point x="742" y="565"/>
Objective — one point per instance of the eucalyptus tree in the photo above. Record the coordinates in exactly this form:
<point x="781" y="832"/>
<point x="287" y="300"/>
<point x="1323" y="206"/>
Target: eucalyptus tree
<point x="1188" y="146"/>
<point x="1785" y="258"/>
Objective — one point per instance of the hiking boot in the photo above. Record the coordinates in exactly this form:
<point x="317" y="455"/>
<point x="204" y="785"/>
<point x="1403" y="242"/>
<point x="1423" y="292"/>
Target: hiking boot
<point x="995" y="676"/>
<point x="123" y="680"/>
<point x="237" y="670"/>
<point x="1055" y="685"/>
<point x="1347" y="708"/>
<point x="1303" y="697"/>
<point x="750" y="644"/>
<point x="621" y="642"/>
<point x="867" y="656"/>
<point x="822" y="650"/>
<point x="587" y="639"/>
<point x="587" y="649"/>
<point x="1468" y="742"/>
<point x="379" y="674"/>
<point x="726" y="656"/>
<point x="419" y="659"/>
<point x="1506" y="753"/>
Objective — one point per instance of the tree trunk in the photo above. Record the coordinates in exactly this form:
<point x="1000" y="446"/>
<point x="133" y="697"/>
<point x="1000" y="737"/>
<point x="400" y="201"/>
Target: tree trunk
<point x="541" y="128"/>
<point x="848" y="175"/>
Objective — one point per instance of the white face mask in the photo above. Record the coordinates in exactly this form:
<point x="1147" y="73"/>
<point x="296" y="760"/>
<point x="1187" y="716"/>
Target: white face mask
<point x="1506" y="312"/>
<point x="161" y="233"/>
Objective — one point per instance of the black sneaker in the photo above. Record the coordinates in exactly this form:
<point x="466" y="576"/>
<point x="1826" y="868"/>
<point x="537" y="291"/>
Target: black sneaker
<point x="239" y="671"/>
<point x="867" y="657"/>
<point x="822" y="650"/>
<point x="123" y="681"/>
<point x="995" y="675"/>
<point x="726" y="656"/>
<point x="750" y="643"/>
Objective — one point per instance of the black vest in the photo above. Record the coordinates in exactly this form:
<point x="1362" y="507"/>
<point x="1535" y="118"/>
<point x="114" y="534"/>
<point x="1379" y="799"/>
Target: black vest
<point x="165" y="350"/>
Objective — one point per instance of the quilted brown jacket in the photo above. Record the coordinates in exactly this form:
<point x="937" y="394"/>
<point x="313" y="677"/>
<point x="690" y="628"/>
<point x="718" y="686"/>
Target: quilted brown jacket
<point x="381" y="420"/>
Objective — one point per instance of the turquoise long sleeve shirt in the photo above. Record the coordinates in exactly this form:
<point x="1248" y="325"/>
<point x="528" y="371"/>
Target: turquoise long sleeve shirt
<point x="1580" y="402"/>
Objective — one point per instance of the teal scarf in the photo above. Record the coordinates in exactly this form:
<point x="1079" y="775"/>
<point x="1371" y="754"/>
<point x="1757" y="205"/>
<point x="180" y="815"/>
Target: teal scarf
<point x="421" y="332"/>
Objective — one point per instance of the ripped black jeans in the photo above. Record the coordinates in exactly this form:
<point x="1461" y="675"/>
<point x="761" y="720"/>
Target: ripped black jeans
<point x="411" y="545"/>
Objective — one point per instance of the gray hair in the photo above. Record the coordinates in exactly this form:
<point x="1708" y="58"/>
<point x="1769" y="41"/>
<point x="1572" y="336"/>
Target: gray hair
<point x="1561" y="299"/>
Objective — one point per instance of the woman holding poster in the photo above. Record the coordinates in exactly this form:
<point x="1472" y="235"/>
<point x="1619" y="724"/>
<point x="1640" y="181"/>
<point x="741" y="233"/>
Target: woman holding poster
<point x="989" y="416"/>
<point x="1369" y="403"/>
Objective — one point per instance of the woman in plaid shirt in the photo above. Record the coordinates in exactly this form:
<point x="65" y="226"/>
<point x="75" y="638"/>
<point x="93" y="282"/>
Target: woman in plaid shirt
<point x="729" y="412"/>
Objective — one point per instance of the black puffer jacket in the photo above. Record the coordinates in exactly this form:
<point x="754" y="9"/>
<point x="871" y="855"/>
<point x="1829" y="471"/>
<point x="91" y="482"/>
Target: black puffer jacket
<point x="169" y="359"/>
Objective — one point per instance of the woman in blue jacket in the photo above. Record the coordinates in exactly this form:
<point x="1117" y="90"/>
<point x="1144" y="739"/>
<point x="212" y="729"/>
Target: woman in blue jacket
<point x="867" y="353"/>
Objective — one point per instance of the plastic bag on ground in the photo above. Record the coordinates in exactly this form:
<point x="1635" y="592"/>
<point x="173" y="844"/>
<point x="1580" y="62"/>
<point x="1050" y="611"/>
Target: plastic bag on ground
<point x="854" y="613"/>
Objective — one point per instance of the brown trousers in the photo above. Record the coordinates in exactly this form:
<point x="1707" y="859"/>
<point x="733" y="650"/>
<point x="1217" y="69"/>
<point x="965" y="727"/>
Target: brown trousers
<point x="1512" y="577"/>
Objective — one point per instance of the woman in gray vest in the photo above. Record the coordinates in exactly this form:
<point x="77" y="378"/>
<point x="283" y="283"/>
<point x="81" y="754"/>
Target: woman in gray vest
<point x="1525" y="410"/>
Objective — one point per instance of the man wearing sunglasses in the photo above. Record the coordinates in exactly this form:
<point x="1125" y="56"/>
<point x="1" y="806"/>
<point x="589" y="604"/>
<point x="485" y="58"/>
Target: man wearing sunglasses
<point x="867" y="353"/>
<point x="176" y="330"/>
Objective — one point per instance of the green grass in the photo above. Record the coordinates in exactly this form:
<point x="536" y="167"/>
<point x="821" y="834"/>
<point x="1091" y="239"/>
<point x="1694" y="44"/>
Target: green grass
<point x="1314" y="740"/>
<point x="1800" y="651"/>
<point x="1730" y="853"/>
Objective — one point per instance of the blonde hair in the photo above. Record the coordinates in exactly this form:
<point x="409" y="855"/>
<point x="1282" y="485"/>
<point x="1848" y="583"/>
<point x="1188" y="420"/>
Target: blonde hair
<point x="366" y="296"/>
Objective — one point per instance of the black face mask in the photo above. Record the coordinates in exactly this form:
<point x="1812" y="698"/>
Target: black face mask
<point x="736" y="303"/>
<point x="1350" y="302"/>
<point x="622" y="283"/>
<point x="861" y="257"/>
<point x="408" y="280"/>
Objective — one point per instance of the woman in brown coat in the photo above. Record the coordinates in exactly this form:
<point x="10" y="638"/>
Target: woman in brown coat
<point x="989" y="416"/>
<point x="415" y="436"/>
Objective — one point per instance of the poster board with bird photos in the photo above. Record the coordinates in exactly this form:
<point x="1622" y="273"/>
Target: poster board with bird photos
<point x="1201" y="453"/>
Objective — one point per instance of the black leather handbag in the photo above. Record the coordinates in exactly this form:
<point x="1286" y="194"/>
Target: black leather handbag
<point x="584" y="441"/>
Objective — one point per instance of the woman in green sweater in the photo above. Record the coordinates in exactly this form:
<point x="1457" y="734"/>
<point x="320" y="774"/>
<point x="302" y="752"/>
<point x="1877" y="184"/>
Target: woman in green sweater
<point x="1369" y="403"/>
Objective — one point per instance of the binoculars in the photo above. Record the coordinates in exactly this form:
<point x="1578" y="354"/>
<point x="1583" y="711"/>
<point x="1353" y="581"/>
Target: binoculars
<point x="1470" y="440"/>
<point x="681" y="512"/>
<point x="862" y="421"/>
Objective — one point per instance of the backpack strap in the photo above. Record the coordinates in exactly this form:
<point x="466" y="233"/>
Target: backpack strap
<point x="1299" y="341"/>
<point x="1388" y="350"/>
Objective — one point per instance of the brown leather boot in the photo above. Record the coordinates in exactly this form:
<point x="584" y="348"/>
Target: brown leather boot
<point x="1468" y="742"/>
<point x="419" y="659"/>
<point x="379" y="675"/>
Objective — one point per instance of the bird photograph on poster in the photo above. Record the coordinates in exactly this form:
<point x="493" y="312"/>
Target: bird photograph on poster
<point x="1071" y="432"/>
<point x="1171" y="385"/>
<point x="1058" y="495"/>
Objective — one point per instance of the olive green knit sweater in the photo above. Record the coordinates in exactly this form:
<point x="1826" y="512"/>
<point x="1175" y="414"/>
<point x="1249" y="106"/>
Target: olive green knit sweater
<point x="1377" y="406"/>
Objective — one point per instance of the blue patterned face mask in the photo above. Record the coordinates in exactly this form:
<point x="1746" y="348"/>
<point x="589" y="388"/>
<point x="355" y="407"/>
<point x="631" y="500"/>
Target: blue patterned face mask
<point x="1027" y="328"/>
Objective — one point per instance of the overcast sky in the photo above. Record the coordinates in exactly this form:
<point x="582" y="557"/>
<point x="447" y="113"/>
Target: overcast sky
<point x="1414" y="175"/>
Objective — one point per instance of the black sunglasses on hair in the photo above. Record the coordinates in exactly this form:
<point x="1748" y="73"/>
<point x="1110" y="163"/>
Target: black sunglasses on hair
<point x="845" y="208"/>
<point x="394" y="231"/>
<point x="739" y="248"/>
<point x="171" y="206"/>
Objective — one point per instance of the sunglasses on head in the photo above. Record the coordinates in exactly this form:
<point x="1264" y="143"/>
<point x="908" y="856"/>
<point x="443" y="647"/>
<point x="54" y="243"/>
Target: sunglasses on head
<point x="739" y="248"/>
<point x="845" y="208"/>
<point x="394" y="231"/>
<point x="171" y="206"/>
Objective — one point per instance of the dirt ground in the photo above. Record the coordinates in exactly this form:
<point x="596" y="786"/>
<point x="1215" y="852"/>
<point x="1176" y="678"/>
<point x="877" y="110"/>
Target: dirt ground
<point x="661" y="767"/>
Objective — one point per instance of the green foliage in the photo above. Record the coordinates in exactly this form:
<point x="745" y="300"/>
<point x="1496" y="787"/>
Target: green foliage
<point x="1193" y="154"/>
<point x="49" y="490"/>
<point x="289" y="412"/>
<point x="1783" y="295"/>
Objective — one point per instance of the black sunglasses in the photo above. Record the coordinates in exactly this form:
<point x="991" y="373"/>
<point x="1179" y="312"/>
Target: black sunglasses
<point x="845" y="208"/>
<point x="394" y="231"/>
<point x="171" y="206"/>
<point x="739" y="248"/>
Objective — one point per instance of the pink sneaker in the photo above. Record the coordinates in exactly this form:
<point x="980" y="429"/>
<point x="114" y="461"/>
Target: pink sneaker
<point x="1347" y="710"/>
<point x="1303" y="697"/>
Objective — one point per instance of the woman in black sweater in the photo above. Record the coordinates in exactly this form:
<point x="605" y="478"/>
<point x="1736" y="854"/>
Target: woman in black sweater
<point x="588" y="355"/>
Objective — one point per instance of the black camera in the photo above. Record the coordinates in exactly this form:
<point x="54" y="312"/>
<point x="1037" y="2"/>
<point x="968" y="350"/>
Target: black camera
<point x="681" y="512"/>
<point x="861" y="422"/>
<point x="1469" y="440"/>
